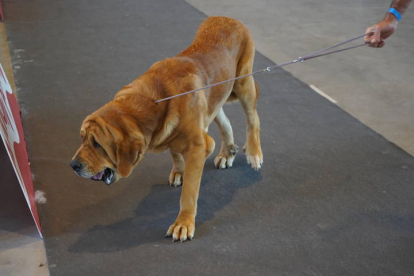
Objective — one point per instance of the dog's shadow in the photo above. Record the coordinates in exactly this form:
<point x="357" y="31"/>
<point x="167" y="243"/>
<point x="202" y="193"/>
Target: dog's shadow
<point x="160" y="207"/>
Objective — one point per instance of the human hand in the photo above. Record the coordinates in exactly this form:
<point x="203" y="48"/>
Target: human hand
<point x="380" y="31"/>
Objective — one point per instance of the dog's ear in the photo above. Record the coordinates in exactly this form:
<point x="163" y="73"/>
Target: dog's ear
<point x="128" y="147"/>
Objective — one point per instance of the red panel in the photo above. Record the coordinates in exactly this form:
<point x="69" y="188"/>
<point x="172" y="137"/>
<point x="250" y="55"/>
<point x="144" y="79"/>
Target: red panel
<point x="11" y="131"/>
<point x="1" y="12"/>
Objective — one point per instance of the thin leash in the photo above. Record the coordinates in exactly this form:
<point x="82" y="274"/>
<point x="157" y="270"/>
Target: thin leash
<point x="316" y="54"/>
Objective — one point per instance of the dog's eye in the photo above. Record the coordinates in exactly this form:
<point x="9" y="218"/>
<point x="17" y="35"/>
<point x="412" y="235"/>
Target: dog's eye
<point x="96" y="145"/>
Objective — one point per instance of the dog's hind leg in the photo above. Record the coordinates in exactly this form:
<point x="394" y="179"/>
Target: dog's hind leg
<point x="177" y="172"/>
<point x="228" y="149"/>
<point x="247" y="92"/>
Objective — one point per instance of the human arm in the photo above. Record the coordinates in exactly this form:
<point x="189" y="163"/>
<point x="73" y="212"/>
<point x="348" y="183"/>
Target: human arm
<point x="386" y="27"/>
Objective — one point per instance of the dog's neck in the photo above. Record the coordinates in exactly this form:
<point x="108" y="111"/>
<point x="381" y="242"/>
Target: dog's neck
<point x="138" y="101"/>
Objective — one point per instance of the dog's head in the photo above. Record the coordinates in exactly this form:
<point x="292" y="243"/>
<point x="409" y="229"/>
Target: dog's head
<point x="112" y="146"/>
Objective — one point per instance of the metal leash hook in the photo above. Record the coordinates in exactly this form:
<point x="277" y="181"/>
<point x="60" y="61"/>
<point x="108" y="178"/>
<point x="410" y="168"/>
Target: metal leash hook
<point x="270" y="68"/>
<point x="300" y="59"/>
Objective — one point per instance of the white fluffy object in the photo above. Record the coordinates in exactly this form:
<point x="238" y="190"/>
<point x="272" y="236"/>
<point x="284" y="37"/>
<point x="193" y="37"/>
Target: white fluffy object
<point x="40" y="197"/>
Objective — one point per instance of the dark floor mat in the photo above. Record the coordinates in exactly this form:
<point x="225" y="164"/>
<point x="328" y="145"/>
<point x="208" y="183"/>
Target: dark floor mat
<point x="333" y="197"/>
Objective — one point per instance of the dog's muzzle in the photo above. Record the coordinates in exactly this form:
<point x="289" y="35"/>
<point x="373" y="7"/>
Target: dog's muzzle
<point x="107" y="175"/>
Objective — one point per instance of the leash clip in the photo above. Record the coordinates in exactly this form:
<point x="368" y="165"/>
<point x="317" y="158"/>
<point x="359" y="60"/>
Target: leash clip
<point x="267" y="69"/>
<point x="300" y="59"/>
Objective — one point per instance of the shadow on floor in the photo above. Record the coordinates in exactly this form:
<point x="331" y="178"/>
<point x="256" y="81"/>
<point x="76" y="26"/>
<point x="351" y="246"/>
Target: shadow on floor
<point x="159" y="208"/>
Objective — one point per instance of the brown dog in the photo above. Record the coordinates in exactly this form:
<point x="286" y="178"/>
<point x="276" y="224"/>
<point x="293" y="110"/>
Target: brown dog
<point x="116" y="136"/>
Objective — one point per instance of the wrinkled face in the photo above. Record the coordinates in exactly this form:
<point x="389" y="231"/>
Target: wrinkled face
<point x="108" y="151"/>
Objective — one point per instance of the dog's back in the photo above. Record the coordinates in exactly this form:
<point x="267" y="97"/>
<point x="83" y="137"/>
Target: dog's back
<point x="219" y="39"/>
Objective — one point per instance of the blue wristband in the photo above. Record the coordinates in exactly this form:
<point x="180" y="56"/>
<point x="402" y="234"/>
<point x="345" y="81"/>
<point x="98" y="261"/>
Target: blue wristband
<point x="395" y="13"/>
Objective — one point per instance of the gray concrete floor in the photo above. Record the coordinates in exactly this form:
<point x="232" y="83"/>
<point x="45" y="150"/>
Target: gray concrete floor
<point x="374" y="85"/>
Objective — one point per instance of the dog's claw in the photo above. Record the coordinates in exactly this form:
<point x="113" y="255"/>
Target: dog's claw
<point x="176" y="179"/>
<point x="183" y="229"/>
<point x="225" y="158"/>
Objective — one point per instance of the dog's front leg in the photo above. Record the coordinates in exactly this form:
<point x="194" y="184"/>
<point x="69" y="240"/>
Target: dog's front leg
<point x="184" y="226"/>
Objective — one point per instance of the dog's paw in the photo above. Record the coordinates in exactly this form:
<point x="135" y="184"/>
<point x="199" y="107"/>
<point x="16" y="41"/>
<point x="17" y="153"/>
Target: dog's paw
<point x="255" y="161"/>
<point x="254" y="158"/>
<point x="182" y="229"/>
<point x="175" y="179"/>
<point x="226" y="157"/>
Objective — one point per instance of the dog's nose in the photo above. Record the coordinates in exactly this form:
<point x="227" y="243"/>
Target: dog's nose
<point x="76" y="165"/>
